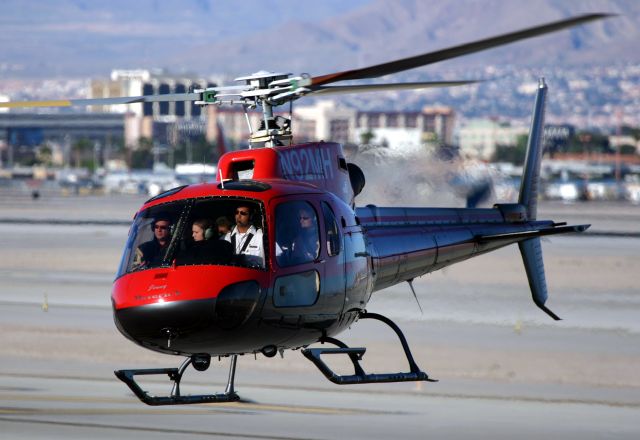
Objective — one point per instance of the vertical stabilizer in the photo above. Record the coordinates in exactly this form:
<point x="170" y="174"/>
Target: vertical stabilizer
<point x="531" y="251"/>
<point x="531" y="171"/>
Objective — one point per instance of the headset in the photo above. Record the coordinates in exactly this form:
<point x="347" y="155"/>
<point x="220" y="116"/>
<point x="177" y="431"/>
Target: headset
<point x="207" y="226"/>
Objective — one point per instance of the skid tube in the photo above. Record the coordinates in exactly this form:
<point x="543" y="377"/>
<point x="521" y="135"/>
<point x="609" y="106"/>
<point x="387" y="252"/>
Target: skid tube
<point x="201" y="363"/>
<point x="356" y="354"/>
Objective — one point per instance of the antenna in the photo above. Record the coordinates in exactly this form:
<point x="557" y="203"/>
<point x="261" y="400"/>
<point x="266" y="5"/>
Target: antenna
<point x="410" y="282"/>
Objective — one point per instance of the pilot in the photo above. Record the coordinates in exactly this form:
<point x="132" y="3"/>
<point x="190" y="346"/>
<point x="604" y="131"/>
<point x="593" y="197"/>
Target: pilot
<point x="151" y="253"/>
<point x="306" y="245"/>
<point x="245" y="238"/>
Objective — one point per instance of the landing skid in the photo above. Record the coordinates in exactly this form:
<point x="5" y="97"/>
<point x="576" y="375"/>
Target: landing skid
<point x="356" y="354"/>
<point x="200" y="363"/>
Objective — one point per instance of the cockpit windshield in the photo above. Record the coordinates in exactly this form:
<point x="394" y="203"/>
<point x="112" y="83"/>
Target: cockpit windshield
<point x="222" y="231"/>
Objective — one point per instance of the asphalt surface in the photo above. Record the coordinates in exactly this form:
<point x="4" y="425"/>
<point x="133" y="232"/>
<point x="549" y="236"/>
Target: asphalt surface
<point x="505" y="369"/>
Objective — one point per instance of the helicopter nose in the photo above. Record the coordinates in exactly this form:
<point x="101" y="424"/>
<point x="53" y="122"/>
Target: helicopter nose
<point x="191" y="325"/>
<point x="236" y="303"/>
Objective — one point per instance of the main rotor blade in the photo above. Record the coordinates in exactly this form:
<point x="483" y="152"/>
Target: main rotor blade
<point x="452" y="52"/>
<point x="171" y="97"/>
<point x="325" y="90"/>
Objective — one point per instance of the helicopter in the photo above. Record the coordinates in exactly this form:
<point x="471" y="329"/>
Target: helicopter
<point x="273" y="290"/>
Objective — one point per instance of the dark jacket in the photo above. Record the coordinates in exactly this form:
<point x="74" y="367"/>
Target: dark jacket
<point x="207" y="252"/>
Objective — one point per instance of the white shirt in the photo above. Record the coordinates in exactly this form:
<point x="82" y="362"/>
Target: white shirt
<point x="254" y="250"/>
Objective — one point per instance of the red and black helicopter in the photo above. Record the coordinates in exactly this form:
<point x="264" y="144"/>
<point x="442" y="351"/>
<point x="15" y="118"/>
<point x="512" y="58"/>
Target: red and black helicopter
<point x="225" y="302"/>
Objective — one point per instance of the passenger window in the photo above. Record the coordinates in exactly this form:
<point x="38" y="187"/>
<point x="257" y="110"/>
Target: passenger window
<point x="297" y="290"/>
<point x="331" y="230"/>
<point x="297" y="237"/>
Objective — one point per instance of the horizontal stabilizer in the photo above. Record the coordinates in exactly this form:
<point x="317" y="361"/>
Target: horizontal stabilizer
<point x="531" y="251"/>
<point x="524" y="235"/>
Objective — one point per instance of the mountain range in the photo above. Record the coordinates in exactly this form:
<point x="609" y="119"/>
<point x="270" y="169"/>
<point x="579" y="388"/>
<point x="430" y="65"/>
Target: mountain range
<point x="75" y="38"/>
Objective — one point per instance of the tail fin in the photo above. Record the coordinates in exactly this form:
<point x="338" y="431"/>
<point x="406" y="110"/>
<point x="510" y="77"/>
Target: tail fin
<point x="531" y="171"/>
<point x="530" y="249"/>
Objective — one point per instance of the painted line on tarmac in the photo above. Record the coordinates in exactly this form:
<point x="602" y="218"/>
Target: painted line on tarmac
<point x="180" y="432"/>
<point x="237" y="407"/>
<point x="57" y="305"/>
<point x="53" y="221"/>
<point x="5" y="410"/>
<point x="417" y="394"/>
<point x="611" y="234"/>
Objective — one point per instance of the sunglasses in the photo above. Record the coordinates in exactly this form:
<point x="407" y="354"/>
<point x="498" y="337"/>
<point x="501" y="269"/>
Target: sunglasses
<point x="242" y="212"/>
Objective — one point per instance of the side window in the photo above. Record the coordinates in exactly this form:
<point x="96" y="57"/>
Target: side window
<point x="297" y="290"/>
<point x="297" y="237"/>
<point x="331" y="230"/>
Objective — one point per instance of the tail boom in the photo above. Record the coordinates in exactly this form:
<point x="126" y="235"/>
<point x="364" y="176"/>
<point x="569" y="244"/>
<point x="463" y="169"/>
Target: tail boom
<point x="404" y="243"/>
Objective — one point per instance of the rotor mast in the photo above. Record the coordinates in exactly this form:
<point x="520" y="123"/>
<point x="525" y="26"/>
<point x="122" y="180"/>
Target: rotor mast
<point x="264" y="90"/>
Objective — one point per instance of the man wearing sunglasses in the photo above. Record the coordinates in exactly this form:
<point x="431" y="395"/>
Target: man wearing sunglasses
<point x="306" y="245"/>
<point x="246" y="239"/>
<point x="152" y="252"/>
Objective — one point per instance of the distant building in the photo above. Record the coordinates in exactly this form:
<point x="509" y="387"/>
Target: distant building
<point x="324" y="121"/>
<point x="402" y="131"/>
<point x="616" y="141"/>
<point x="557" y="137"/>
<point x="233" y="122"/>
<point x="4" y="98"/>
<point x="478" y="138"/>
<point x="152" y="120"/>
<point x="23" y="133"/>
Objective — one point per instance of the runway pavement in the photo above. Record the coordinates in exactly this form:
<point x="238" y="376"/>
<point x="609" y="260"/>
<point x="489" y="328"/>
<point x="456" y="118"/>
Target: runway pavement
<point x="505" y="369"/>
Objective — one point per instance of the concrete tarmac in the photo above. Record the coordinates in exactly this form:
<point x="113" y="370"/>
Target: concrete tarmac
<point x="506" y="370"/>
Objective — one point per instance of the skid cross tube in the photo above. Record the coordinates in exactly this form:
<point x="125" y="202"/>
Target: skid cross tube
<point x="175" y="375"/>
<point x="356" y="354"/>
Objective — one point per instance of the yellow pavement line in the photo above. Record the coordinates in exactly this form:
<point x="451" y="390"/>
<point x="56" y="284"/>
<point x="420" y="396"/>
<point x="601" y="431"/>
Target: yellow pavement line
<point x="239" y="406"/>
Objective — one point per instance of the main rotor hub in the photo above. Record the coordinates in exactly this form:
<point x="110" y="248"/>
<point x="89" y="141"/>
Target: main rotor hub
<point x="262" y="79"/>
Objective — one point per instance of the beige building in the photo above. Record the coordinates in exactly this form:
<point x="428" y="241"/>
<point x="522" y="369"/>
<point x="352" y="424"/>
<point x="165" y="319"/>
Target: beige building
<point x="402" y="131"/>
<point x="619" y="140"/>
<point x="478" y="138"/>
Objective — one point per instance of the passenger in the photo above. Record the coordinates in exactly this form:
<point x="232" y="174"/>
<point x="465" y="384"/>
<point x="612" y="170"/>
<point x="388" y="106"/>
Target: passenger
<point x="205" y="249"/>
<point x="201" y="230"/>
<point x="151" y="253"/>
<point x="245" y="238"/>
<point x="224" y="226"/>
<point x="306" y="245"/>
